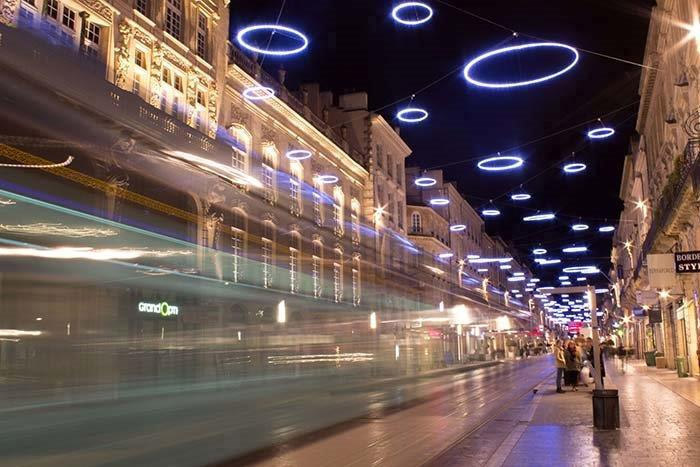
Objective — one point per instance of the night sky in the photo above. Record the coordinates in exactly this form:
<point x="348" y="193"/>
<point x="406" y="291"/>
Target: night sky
<point x="356" y="46"/>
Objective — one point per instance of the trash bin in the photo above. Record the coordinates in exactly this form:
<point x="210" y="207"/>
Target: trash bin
<point x="606" y="409"/>
<point x="650" y="358"/>
<point x="682" y="367"/>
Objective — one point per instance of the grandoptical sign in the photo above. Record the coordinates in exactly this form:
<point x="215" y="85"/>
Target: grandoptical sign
<point x="687" y="261"/>
<point x="162" y="309"/>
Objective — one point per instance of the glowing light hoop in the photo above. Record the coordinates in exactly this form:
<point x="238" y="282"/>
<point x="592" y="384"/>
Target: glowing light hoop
<point x="579" y="227"/>
<point x="520" y="197"/>
<point x="402" y="115"/>
<point x="298" y="154"/>
<point x="240" y="37"/>
<point x="574" y="167"/>
<point x="425" y="181"/>
<point x="515" y="163"/>
<point x="506" y="50"/>
<point x="575" y="249"/>
<point x="491" y="212"/>
<point x="457" y="227"/>
<point x="581" y="269"/>
<point x="258" y="93"/>
<point x="398" y="8"/>
<point x="439" y="201"/>
<point x="539" y="251"/>
<point x="606" y="228"/>
<point x="600" y="133"/>
<point x="539" y="217"/>
<point x="326" y="179"/>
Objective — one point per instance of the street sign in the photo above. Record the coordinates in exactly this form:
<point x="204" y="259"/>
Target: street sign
<point x="661" y="270"/>
<point x="687" y="261"/>
<point x="654" y="315"/>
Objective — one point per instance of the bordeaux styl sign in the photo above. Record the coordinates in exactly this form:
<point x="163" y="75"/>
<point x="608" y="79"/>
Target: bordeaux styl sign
<point x="687" y="261"/>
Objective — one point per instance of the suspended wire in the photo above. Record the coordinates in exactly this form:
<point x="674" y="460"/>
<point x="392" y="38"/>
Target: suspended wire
<point x="277" y="22"/>
<point x="493" y="23"/>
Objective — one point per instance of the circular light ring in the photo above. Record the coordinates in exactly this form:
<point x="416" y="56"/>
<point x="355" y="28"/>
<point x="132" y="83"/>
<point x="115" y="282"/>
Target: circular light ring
<point x="326" y="179"/>
<point x="600" y="133"/>
<point x="579" y="227"/>
<point x="398" y="8"/>
<point x="405" y="115"/>
<point x="258" y="93"/>
<point x="457" y="227"/>
<point x="575" y="249"/>
<point x="520" y="197"/>
<point x="505" y="50"/>
<point x="240" y="37"/>
<point x="298" y="154"/>
<point x="580" y="269"/>
<point x="439" y="201"/>
<point x="539" y="217"/>
<point x="515" y="162"/>
<point x="425" y="181"/>
<point x="491" y="212"/>
<point x="539" y="251"/>
<point x="606" y="228"/>
<point x="574" y="167"/>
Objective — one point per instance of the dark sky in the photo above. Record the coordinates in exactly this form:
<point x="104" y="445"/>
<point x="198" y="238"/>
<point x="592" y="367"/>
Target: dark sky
<point x="355" y="45"/>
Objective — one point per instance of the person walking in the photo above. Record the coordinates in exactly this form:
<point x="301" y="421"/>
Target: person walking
<point x="573" y="365"/>
<point x="599" y="365"/>
<point x="561" y="364"/>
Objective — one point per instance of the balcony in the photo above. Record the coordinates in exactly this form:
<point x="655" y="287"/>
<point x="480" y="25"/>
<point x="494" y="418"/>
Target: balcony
<point x="251" y="67"/>
<point x="676" y="205"/>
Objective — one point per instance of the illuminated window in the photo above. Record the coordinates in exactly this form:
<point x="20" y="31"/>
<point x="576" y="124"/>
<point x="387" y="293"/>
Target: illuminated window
<point x="26" y="16"/>
<point x="294" y="252"/>
<point x="68" y="18"/>
<point x="338" y="214"/>
<point x="338" y="276"/>
<point x="268" y="173"/>
<point x="202" y="35"/>
<point x="318" y="203"/>
<point x="238" y="238"/>
<point x="295" y="200"/>
<point x="317" y="269"/>
<point x="173" y="18"/>
<point x="178" y="83"/>
<point x="52" y="9"/>
<point x="355" y="221"/>
<point x="416" y="223"/>
<point x="91" y="44"/>
<point x="140" y="59"/>
<point x="356" y="285"/>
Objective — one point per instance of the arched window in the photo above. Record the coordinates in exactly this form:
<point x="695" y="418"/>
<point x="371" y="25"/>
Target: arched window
<point x="294" y="254"/>
<point x="355" y="220"/>
<point x="338" y="213"/>
<point x="269" y="166"/>
<point x="338" y="276"/>
<point x="317" y="268"/>
<point x="416" y="223"/>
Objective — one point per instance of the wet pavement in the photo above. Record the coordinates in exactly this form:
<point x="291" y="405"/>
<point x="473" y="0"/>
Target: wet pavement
<point x="660" y="421"/>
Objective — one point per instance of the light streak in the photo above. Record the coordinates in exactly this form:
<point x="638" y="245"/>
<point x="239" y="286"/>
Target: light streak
<point x="40" y="166"/>
<point x="88" y="253"/>
<point x="539" y="217"/>
<point x="229" y="173"/>
<point x="59" y="230"/>
<point x="575" y="249"/>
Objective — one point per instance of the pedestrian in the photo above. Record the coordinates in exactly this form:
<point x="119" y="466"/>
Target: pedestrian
<point x="591" y="358"/>
<point x="561" y="364"/>
<point x="573" y="365"/>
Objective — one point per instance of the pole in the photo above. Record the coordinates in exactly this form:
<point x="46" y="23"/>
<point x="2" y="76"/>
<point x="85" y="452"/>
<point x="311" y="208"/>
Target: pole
<point x="597" y="361"/>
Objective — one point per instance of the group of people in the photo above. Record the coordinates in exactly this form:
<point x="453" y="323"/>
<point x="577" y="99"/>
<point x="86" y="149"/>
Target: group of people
<point x="571" y="356"/>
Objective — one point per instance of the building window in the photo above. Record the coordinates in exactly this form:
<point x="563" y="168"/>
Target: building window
<point x="91" y="46"/>
<point x="173" y="18"/>
<point x="355" y="221"/>
<point x="416" y="223"/>
<point x="141" y="6"/>
<point x="26" y="16"/>
<point x="294" y="252"/>
<point x="267" y="262"/>
<point x="318" y="203"/>
<point x="240" y="147"/>
<point x="389" y="165"/>
<point x="136" y="85"/>
<point x="295" y="200"/>
<point x="52" y="9"/>
<point x="238" y="237"/>
<point x="140" y="59"/>
<point x="68" y="19"/>
<point x="317" y="269"/>
<point x="338" y="215"/>
<point x="338" y="276"/>
<point x="268" y="173"/>
<point x="356" y="286"/>
<point x="202" y="35"/>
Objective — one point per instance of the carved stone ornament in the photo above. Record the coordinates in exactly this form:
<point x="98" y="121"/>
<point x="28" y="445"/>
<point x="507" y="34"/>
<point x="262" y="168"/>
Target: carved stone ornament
<point x="100" y="8"/>
<point x="123" y="62"/>
<point x="8" y="11"/>
<point x="192" y="83"/>
<point x="268" y="135"/>
<point x="142" y="37"/>
<point x="156" y="73"/>
<point x="239" y="117"/>
<point x="211" y="108"/>
<point x="692" y="125"/>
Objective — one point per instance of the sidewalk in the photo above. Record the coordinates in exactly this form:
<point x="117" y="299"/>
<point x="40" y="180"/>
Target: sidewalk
<point x="660" y="424"/>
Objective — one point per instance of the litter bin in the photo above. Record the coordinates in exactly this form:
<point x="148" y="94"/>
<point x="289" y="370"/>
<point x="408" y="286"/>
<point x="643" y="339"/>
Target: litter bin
<point x="606" y="409"/>
<point x="682" y="367"/>
<point x="650" y="358"/>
